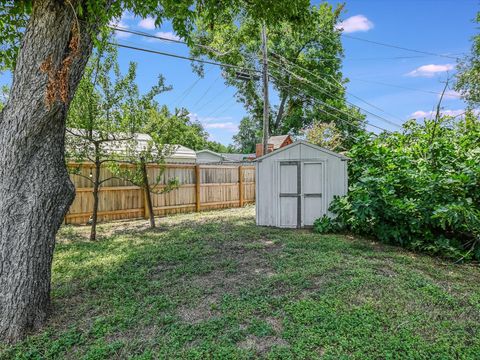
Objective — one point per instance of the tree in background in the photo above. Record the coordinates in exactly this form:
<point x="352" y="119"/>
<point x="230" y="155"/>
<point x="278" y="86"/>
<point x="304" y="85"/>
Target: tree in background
<point x="56" y="44"/>
<point x="249" y="134"/>
<point x="181" y="129"/>
<point x="468" y="76"/>
<point x="304" y="62"/>
<point x="325" y="135"/>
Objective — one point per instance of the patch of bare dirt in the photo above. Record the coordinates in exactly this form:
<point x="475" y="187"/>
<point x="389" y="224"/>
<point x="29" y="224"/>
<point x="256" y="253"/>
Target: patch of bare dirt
<point x="261" y="344"/>
<point x="275" y="323"/>
<point x="204" y="310"/>
<point x="386" y="270"/>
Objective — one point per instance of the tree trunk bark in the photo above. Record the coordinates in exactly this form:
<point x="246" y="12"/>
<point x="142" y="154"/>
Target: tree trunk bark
<point x="281" y="109"/>
<point x="35" y="189"/>
<point x="148" y="194"/>
<point x="96" y="186"/>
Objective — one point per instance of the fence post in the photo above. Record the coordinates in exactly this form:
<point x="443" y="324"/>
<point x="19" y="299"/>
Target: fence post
<point x="197" y="188"/>
<point x="240" y="185"/>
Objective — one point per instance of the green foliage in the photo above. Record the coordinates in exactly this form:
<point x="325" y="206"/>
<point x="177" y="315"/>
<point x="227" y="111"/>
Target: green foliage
<point x="107" y="110"/>
<point x="419" y="189"/>
<point x="468" y="75"/>
<point x="325" y="135"/>
<point x="323" y="225"/>
<point x="249" y="134"/>
<point x="219" y="148"/>
<point x="96" y="15"/>
<point x="4" y="90"/>
<point x="13" y="20"/>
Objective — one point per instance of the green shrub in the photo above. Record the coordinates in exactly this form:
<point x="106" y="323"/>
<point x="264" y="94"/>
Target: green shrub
<point x="419" y="188"/>
<point x="323" y="225"/>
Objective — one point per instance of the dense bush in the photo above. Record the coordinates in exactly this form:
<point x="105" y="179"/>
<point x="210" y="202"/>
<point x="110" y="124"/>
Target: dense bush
<point x="419" y="188"/>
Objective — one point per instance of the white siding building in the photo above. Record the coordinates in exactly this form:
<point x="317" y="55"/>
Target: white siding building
<point x="296" y="184"/>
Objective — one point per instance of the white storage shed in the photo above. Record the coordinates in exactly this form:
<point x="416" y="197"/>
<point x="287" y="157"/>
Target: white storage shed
<point x="296" y="184"/>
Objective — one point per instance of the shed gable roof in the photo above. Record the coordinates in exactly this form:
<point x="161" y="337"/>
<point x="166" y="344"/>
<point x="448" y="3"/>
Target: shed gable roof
<point x="306" y="143"/>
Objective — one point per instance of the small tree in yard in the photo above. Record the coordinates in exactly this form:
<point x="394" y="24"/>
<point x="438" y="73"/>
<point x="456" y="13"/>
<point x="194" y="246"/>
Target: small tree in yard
<point x="102" y="117"/>
<point x="139" y="153"/>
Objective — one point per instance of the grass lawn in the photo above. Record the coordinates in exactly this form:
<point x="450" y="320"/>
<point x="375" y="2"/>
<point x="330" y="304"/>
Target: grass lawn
<point x="213" y="285"/>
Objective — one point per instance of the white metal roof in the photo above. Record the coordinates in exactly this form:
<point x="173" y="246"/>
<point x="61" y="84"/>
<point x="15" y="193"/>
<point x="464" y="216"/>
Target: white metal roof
<point x="177" y="152"/>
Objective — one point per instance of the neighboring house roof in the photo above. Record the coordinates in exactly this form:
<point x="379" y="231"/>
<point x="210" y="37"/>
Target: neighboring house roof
<point x="277" y="141"/>
<point x="296" y="143"/>
<point x="206" y="151"/>
<point x="227" y="157"/>
<point x="234" y="157"/>
<point x="176" y="152"/>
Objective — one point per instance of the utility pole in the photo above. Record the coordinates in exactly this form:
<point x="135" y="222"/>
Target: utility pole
<point x="265" y="90"/>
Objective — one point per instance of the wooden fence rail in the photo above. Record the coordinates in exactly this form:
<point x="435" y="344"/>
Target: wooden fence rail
<point x="201" y="187"/>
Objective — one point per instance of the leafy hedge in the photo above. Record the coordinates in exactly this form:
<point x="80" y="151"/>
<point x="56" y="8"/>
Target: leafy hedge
<point x="419" y="188"/>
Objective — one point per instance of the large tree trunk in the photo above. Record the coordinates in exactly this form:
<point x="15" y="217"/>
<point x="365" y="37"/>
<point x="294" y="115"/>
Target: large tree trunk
<point x="35" y="190"/>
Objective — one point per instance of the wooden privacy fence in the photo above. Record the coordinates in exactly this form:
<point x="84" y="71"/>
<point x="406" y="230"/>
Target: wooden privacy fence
<point x="201" y="187"/>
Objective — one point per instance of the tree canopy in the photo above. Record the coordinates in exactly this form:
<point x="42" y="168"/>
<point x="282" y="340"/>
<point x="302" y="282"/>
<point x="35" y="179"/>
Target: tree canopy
<point x="468" y="77"/>
<point x="14" y="16"/>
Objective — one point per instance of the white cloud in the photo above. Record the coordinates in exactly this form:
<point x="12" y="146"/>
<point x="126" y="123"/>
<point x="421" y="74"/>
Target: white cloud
<point x="147" y="23"/>
<point x="121" y="24"/>
<point x="451" y="94"/>
<point x="354" y="24"/>
<point x="229" y="126"/>
<point x="215" y="122"/>
<point x="430" y="70"/>
<point x="420" y="114"/>
<point x="164" y="34"/>
<point x="168" y="34"/>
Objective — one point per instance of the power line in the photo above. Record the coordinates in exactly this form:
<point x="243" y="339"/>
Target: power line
<point x="183" y="57"/>
<point x="401" y="87"/>
<point x="400" y="47"/>
<point x="336" y="117"/>
<point x="164" y="38"/>
<point x="338" y="84"/>
<point x="211" y="99"/>
<point x="177" y="41"/>
<point x="228" y="65"/>
<point x="333" y="96"/>
<point x="330" y="107"/>
<point x="186" y="92"/>
<point x="206" y="91"/>
<point x="223" y="105"/>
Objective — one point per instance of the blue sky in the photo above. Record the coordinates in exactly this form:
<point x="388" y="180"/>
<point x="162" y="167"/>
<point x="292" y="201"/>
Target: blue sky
<point x="437" y="26"/>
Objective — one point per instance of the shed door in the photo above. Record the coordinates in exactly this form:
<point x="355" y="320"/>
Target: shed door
<point x="313" y="184"/>
<point x="290" y="190"/>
